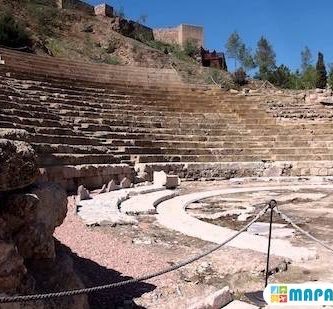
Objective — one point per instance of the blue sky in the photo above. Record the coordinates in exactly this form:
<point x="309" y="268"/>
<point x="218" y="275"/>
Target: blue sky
<point x="289" y="25"/>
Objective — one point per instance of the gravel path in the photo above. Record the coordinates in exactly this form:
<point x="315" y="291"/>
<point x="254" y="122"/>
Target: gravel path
<point x="108" y="256"/>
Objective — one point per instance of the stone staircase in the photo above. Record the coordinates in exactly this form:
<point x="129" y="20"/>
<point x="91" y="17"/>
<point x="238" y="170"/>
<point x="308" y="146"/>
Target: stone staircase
<point x="292" y="108"/>
<point x="78" y="114"/>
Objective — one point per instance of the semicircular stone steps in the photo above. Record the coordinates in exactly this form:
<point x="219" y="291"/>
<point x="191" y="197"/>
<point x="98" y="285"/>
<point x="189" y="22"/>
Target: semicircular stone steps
<point x="146" y="203"/>
<point x="172" y="215"/>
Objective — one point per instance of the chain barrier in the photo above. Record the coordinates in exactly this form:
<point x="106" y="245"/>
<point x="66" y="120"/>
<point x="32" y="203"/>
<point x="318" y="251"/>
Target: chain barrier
<point x="307" y="234"/>
<point x="36" y="297"/>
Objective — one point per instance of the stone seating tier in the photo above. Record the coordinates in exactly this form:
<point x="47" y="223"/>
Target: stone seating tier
<point x="78" y="114"/>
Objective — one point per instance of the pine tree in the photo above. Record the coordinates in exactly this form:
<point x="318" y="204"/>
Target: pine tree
<point x="245" y="58"/>
<point x="306" y="59"/>
<point x="232" y="46"/>
<point x="321" y="72"/>
<point x="265" y="58"/>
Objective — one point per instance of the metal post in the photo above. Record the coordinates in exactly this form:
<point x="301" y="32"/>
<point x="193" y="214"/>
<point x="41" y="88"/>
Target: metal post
<point x="272" y="204"/>
<point x="257" y="297"/>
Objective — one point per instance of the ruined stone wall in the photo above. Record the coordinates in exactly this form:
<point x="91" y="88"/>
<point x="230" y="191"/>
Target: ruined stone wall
<point x="104" y="10"/>
<point x="180" y="35"/>
<point x="191" y="33"/>
<point x="76" y="4"/>
<point x="31" y="261"/>
<point x="167" y="35"/>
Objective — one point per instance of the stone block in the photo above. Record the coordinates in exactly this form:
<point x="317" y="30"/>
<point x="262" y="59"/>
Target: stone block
<point x="83" y="193"/>
<point x="18" y="165"/>
<point x="216" y="300"/>
<point x="111" y="186"/>
<point x="125" y="183"/>
<point x="104" y="10"/>
<point x="103" y="190"/>
<point x="32" y="217"/>
<point x="272" y="171"/>
<point x="12" y="268"/>
<point x="233" y="91"/>
<point x="159" y="178"/>
<point x="172" y="181"/>
<point x="237" y="304"/>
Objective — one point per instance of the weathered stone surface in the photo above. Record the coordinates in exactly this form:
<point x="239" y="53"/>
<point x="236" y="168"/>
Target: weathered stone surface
<point x="216" y="300"/>
<point x="278" y="230"/>
<point x="145" y="203"/>
<point x="103" y="210"/>
<point x="93" y="176"/>
<point x="29" y="260"/>
<point x="103" y="190"/>
<point x="12" y="268"/>
<point x="112" y="186"/>
<point x="159" y="178"/>
<point x="172" y="181"/>
<point x="172" y="214"/>
<point x="125" y="183"/>
<point x="326" y="101"/>
<point x="18" y="167"/>
<point x="82" y="193"/>
<point x="31" y="218"/>
<point x="237" y="304"/>
<point x="13" y="134"/>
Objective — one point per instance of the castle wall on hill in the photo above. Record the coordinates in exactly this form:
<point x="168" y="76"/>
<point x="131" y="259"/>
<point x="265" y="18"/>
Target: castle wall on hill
<point x="180" y="35"/>
<point x="104" y="10"/>
<point x="76" y="4"/>
<point x="191" y="33"/>
<point x="167" y="35"/>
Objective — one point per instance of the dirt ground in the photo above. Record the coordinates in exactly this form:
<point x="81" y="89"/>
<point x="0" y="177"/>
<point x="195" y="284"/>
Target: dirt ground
<point x="109" y="254"/>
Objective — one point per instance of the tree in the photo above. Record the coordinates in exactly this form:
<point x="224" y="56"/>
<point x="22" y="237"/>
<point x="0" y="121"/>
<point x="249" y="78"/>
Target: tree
<point x="321" y="80"/>
<point x="232" y="46"/>
<point x="239" y="77"/>
<point x="330" y="75"/>
<point x="12" y="34"/>
<point x="190" y="48"/>
<point x="281" y="77"/>
<point x="309" y="78"/>
<point x="306" y="59"/>
<point x="265" y="58"/>
<point x="245" y="58"/>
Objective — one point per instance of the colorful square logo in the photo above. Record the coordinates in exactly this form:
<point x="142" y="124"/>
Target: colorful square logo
<point x="275" y="299"/>
<point x="274" y="289"/>
<point x="279" y="294"/>
<point x="283" y="298"/>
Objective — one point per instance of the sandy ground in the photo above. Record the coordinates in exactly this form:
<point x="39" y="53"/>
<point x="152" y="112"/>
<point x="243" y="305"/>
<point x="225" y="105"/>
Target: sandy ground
<point x="110" y="254"/>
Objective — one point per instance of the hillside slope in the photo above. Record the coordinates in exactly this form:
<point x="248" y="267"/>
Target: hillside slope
<point x="75" y="35"/>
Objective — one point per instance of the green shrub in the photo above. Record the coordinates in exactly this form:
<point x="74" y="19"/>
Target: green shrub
<point x="12" y="34"/>
<point x="239" y="77"/>
<point x="47" y="17"/>
<point x="190" y="48"/>
<point x="330" y="75"/>
<point x="321" y="72"/>
<point x="112" y="60"/>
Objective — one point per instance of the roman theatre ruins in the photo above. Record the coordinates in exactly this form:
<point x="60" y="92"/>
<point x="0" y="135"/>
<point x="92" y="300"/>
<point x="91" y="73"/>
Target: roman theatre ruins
<point x="177" y="168"/>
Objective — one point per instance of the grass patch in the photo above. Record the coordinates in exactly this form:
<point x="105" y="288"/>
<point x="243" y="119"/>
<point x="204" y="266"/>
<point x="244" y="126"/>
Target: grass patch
<point x="47" y="18"/>
<point x="110" y="59"/>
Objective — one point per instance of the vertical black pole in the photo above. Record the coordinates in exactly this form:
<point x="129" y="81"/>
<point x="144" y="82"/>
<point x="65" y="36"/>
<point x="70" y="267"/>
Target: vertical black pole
<point x="272" y="204"/>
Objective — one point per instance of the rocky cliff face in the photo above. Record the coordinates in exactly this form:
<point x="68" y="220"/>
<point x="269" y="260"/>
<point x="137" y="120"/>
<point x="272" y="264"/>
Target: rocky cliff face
<point x="30" y="261"/>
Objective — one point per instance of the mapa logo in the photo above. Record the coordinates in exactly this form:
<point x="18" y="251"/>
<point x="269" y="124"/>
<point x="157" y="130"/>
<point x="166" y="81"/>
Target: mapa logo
<point x="299" y="294"/>
<point x="279" y="294"/>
